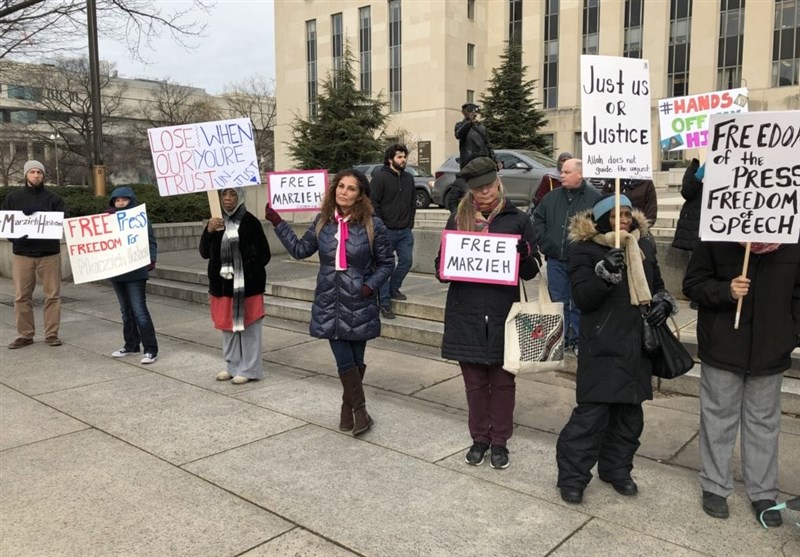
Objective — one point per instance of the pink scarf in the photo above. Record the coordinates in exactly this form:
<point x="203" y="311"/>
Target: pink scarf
<point x="341" y="245"/>
<point x="760" y="248"/>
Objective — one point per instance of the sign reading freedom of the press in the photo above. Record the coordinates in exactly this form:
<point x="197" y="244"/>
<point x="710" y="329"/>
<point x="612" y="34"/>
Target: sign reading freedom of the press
<point x="684" y="120"/>
<point x="203" y="157"/>
<point x="297" y="190"/>
<point x="752" y="179"/>
<point x="615" y="117"/>
<point x="107" y="245"/>
<point x="45" y="225"/>
<point x="472" y="257"/>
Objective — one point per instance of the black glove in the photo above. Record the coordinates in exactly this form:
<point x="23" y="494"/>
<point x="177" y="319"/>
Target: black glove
<point x="658" y="313"/>
<point x="28" y="211"/>
<point x="366" y="291"/>
<point x="523" y="248"/>
<point x="152" y="266"/>
<point x="614" y="260"/>
<point x="272" y="215"/>
<point x="21" y="238"/>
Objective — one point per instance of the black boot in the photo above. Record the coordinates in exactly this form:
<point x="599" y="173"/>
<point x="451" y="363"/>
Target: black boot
<point x="346" y="417"/>
<point x="354" y="395"/>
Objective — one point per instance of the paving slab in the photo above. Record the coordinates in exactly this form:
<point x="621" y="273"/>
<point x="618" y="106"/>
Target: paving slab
<point x="24" y="420"/>
<point x="298" y="543"/>
<point x="168" y="418"/>
<point x="90" y="494"/>
<point x="392" y="504"/>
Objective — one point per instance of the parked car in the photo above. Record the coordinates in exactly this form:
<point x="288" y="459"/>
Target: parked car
<point x="423" y="181"/>
<point x="521" y="173"/>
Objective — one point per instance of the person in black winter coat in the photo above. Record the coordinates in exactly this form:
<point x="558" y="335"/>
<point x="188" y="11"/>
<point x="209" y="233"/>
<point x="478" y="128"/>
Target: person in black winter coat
<point x="475" y="314"/>
<point x="355" y="259"/>
<point x="688" y="227"/>
<point x="614" y="288"/>
<point x="237" y="252"/>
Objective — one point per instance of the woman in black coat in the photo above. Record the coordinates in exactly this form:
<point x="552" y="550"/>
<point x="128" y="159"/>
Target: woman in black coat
<point x="687" y="231"/>
<point x="475" y="314"/>
<point x="613" y="288"/>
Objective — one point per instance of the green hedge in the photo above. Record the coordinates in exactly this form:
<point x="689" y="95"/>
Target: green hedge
<point x="80" y="200"/>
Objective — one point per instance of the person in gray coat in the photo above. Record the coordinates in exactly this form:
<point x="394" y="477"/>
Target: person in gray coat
<point x="355" y="259"/>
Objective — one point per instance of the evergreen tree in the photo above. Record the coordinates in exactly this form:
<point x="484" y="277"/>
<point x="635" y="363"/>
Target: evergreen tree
<point x="343" y="133"/>
<point x="509" y="110"/>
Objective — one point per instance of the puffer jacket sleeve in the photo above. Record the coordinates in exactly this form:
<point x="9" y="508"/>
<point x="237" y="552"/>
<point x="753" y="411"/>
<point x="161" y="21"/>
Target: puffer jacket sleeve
<point x="382" y="256"/>
<point x="299" y="248"/>
<point x="589" y="291"/>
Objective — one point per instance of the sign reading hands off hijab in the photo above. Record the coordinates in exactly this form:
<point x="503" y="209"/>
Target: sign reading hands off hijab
<point x="751" y="187"/>
<point x="684" y="120"/>
<point x="615" y="117"/>
<point x="204" y="157"/>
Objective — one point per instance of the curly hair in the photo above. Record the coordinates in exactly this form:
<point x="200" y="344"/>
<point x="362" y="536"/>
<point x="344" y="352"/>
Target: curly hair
<point x="361" y="212"/>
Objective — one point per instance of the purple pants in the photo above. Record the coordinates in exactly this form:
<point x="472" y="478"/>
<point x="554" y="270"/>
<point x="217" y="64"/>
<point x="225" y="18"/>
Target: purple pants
<point x="491" y="393"/>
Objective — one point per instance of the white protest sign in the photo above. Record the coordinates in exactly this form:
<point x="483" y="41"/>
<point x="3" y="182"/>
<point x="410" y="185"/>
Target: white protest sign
<point x="751" y="187"/>
<point x="43" y="225"/>
<point x="297" y="190"/>
<point x="107" y="245"/>
<point x="203" y="157"/>
<point x="615" y="117"/>
<point x="684" y="120"/>
<point x="473" y="257"/>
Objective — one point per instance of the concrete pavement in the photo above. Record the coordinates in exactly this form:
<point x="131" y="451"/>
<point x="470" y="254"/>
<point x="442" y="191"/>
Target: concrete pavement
<point x="100" y="456"/>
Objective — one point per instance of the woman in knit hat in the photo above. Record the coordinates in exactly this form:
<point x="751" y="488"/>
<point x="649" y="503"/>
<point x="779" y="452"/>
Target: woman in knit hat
<point x="615" y="288"/>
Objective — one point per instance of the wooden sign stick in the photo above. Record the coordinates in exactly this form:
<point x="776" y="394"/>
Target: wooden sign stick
<point x="744" y="274"/>
<point x="213" y="204"/>
<point x="616" y="213"/>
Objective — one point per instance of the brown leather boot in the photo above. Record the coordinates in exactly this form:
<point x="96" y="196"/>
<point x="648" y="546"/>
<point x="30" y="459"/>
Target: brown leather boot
<point x="354" y="395"/>
<point x="346" y="417"/>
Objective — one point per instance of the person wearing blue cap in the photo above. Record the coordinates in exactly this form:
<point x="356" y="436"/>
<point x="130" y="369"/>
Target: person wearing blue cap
<point x="616" y="289"/>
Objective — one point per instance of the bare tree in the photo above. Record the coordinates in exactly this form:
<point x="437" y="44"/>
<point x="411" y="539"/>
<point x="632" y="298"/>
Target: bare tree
<point x="11" y="162"/>
<point x="173" y="104"/>
<point x="254" y="98"/>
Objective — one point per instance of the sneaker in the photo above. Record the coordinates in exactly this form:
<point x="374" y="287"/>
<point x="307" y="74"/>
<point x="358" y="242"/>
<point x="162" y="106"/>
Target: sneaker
<point x="240" y="380"/>
<point x="499" y="459"/>
<point x="476" y="453"/>
<point x="223" y="376"/>
<point x="575" y="349"/>
<point x="121" y="353"/>
<point x="20" y="342"/>
<point x="53" y="341"/>
<point x="387" y="313"/>
<point x="398" y="296"/>
<point x="148" y="358"/>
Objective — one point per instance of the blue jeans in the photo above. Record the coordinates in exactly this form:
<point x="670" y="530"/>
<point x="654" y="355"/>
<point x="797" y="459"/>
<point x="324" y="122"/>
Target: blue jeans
<point x="348" y="353"/>
<point x="137" y="326"/>
<point x="402" y="241"/>
<point x="558" y="286"/>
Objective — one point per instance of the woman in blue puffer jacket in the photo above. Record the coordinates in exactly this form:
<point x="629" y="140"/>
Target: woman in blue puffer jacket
<point x="355" y="259"/>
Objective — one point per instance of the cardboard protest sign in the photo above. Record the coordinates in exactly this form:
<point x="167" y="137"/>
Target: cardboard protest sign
<point x="297" y="190"/>
<point x="43" y="225"/>
<point x="751" y="190"/>
<point x="615" y="117"/>
<point x="473" y="257"/>
<point x="203" y="157"/>
<point x="684" y="120"/>
<point x="107" y="245"/>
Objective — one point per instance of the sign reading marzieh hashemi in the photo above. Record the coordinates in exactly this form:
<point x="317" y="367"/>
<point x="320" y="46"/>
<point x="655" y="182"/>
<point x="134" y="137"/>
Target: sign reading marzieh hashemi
<point x="751" y="187"/>
<point x="44" y="225"/>
<point x="684" y="120"/>
<point x="615" y="117"/>
<point x="296" y="190"/>
<point x="473" y="257"/>
<point x="106" y="245"/>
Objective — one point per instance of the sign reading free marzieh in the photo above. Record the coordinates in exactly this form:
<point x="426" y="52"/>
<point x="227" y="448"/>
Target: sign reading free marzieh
<point x="474" y="257"/>
<point x="44" y="225"/>
<point x="296" y="190"/>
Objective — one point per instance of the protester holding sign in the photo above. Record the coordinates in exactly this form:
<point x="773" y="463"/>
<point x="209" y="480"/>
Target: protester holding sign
<point x="475" y="314"/>
<point x="131" y="290"/>
<point x="35" y="258"/>
<point x="355" y="259"/>
<point x="688" y="228"/>
<point x="642" y="194"/>
<point x="237" y="252"/>
<point x="613" y="287"/>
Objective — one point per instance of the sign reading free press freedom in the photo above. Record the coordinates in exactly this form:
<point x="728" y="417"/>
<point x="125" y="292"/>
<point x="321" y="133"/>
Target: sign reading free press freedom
<point x="751" y="189"/>
<point x="203" y="157"/>
<point x="106" y="245"/>
<point x="473" y="257"/>
<point x="684" y="120"/>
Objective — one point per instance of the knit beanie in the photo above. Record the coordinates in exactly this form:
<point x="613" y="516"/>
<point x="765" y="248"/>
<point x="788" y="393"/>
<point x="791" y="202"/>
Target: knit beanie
<point x="32" y="165"/>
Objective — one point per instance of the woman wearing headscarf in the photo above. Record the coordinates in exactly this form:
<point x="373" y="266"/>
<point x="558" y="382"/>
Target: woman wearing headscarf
<point x="355" y="259"/>
<point x="614" y="289"/>
<point x="237" y="253"/>
<point x="475" y="314"/>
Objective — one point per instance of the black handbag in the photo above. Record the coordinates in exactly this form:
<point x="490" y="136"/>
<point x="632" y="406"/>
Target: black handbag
<point x="671" y="360"/>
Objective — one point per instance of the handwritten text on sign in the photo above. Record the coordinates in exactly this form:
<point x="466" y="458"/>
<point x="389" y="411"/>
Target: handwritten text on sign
<point x="107" y="245"/>
<point x="684" y="120"/>
<point x="468" y="257"/>
<point x="45" y="225"/>
<point x="298" y="190"/>
<point x="752" y="179"/>
<point x="615" y="117"/>
<point x="204" y="157"/>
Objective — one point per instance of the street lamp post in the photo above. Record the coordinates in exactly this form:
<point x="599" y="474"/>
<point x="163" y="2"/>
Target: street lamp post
<point x="55" y="137"/>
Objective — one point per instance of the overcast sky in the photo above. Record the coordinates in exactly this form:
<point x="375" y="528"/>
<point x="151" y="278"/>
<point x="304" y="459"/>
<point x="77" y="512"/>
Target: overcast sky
<point x="239" y="42"/>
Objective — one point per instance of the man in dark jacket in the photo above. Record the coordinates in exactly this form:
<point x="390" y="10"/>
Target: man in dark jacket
<point x="394" y="201"/>
<point x="472" y="143"/>
<point x="742" y="369"/>
<point x="35" y="258"/>
<point x="551" y="223"/>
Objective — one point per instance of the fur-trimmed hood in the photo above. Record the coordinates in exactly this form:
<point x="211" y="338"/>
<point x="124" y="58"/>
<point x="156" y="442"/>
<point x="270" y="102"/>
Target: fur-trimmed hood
<point x="582" y="227"/>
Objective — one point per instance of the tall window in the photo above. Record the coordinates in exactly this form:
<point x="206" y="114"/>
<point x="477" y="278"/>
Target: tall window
<point x="311" y="66"/>
<point x="634" y="15"/>
<point x="515" y="21"/>
<point x="470" y="96"/>
<point x="550" y="73"/>
<point x="365" y="47"/>
<point x="395" y="57"/>
<point x="337" y="46"/>
<point x="471" y="9"/>
<point x="731" y="39"/>
<point x="786" y="43"/>
<point x="680" y="24"/>
<point x="470" y="54"/>
<point x="591" y="26"/>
